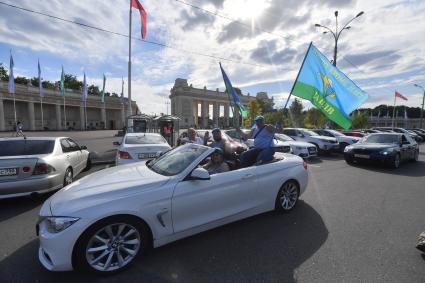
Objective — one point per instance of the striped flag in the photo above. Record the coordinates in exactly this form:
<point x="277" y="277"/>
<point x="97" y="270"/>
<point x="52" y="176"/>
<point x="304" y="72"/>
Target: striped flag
<point x="40" y="83"/>
<point x="85" y="90"/>
<point x="143" y="15"/>
<point x="122" y="92"/>
<point x="62" y="85"/>
<point x="230" y="90"/>
<point x="397" y="94"/>
<point x="103" y="88"/>
<point x="11" y="84"/>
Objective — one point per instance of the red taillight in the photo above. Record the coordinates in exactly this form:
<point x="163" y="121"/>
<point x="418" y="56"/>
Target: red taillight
<point x="124" y="155"/>
<point x="26" y="169"/>
<point x="305" y="165"/>
<point x="42" y="168"/>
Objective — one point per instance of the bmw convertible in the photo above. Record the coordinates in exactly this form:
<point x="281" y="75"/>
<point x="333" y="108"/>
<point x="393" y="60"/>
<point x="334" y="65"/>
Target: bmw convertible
<point x="103" y="221"/>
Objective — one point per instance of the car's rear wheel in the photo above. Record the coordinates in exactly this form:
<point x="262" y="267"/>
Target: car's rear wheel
<point x="68" y="178"/>
<point x="396" y="161"/>
<point x="287" y="197"/>
<point x="111" y="245"/>
<point x="349" y="159"/>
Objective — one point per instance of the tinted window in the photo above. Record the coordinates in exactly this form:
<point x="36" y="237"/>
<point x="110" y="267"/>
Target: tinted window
<point x="144" y="139"/>
<point x="308" y="132"/>
<point x="290" y="132"/>
<point x="25" y="147"/>
<point x="73" y="145"/>
<point x="382" y="138"/>
<point x="283" y="137"/>
<point x="65" y="145"/>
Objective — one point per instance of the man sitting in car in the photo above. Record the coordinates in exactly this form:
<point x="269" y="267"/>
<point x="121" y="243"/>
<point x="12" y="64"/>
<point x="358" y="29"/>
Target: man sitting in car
<point x="192" y="137"/>
<point x="219" y="142"/>
<point x="216" y="164"/>
<point x="262" y="151"/>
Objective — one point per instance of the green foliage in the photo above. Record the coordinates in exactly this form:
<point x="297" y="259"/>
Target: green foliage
<point x="314" y="118"/>
<point x="3" y="73"/>
<point x="22" y="80"/>
<point x="296" y="113"/>
<point x="71" y="82"/>
<point x="254" y="109"/>
<point x="48" y="85"/>
<point x="360" y="121"/>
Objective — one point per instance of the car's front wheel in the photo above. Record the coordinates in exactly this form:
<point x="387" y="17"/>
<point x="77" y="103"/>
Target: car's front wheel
<point x="396" y="161"/>
<point x="287" y="197"/>
<point x="111" y="245"/>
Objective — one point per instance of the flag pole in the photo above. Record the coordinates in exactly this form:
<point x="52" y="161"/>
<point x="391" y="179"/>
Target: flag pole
<point x="42" y="116"/>
<point x="130" y="122"/>
<point x="85" y="113"/>
<point x="392" y="124"/>
<point x="64" y="112"/>
<point x="14" y="108"/>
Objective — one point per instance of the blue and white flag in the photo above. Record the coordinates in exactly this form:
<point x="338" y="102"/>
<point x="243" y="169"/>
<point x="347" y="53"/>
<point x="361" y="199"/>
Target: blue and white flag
<point x="11" y="85"/>
<point x="40" y="85"/>
<point x="85" y="90"/>
<point x="122" y="92"/>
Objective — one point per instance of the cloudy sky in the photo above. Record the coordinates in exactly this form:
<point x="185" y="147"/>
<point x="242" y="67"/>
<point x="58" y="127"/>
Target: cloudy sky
<point x="265" y="41"/>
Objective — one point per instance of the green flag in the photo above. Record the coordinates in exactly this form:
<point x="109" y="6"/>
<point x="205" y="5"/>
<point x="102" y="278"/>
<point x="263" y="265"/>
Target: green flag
<point x="62" y="85"/>
<point x="103" y="88"/>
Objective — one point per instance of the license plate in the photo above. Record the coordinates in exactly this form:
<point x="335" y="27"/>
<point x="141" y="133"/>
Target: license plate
<point x="8" y="171"/>
<point x="147" y="155"/>
<point x="362" y="156"/>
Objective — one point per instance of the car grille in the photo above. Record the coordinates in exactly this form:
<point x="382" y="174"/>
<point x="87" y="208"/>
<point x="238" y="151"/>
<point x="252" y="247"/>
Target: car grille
<point x="362" y="151"/>
<point x="312" y="150"/>
<point x="282" y="149"/>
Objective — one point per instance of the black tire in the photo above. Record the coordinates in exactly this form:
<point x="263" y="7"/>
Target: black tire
<point x="68" y="177"/>
<point x="88" y="164"/>
<point x="342" y="146"/>
<point x="396" y="161"/>
<point x="289" y="192"/>
<point x="349" y="160"/>
<point x="79" y="255"/>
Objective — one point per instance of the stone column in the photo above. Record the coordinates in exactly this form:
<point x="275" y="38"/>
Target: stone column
<point x="31" y="115"/>
<point x="195" y="113"/>
<point x="216" y="113"/>
<point x="103" y="117"/>
<point x="58" y="117"/>
<point x="82" y="120"/>
<point x="2" y="126"/>
<point x="226" y="115"/>
<point x="205" y="112"/>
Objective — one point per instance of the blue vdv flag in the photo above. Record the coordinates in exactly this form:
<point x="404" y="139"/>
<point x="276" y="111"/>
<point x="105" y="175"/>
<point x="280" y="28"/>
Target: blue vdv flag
<point x="11" y="84"/>
<point x="329" y="89"/>
<point x="235" y="97"/>
<point x="85" y="90"/>
<point x="40" y="85"/>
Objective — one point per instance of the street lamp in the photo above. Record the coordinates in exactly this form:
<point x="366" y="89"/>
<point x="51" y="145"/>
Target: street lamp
<point x="423" y="101"/>
<point x="336" y="34"/>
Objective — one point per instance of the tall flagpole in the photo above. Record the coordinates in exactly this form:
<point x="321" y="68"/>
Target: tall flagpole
<point x="392" y="124"/>
<point x="130" y="122"/>
<point x="64" y="112"/>
<point x="42" y="117"/>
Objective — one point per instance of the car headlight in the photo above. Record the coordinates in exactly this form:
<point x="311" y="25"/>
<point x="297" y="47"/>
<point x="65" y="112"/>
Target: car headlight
<point x="347" y="149"/>
<point x="386" y="152"/>
<point x="60" y="223"/>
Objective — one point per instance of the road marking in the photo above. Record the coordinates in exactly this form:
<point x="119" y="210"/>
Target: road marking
<point x="312" y="165"/>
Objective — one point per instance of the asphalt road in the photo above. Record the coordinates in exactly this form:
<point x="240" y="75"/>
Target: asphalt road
<point x="353" y="224"/>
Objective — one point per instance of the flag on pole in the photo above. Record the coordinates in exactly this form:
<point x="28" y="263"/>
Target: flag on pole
<point x="62" y="85"/>
<point x="122" y="92"/>
<point x="103" y="88"/>
<point x="397" y="94"/>
<point x="405" y="114"/>
<point x="40" y="85"/>
<point x="11" y="84"/>
<point x="329" y="89"/>
<point x="143" y="15"/>
<point x="85" y="90"/>
<point x="235" y="97"/>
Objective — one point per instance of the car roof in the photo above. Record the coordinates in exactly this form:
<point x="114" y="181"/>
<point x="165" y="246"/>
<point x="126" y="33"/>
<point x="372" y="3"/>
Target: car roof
<point x="142" y="134"/>
<point x="31" y="138"/>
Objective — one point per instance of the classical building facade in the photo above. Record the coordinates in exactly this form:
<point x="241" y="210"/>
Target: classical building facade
<point x="28" y="110"/>
<point x="214" y="106"/>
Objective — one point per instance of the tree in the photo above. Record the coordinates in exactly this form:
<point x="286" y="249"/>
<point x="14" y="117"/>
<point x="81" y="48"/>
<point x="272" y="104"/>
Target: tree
<point x="360" y="121"/>
<point x="93" y="90"/>
<point x="253" y="111"/>
<point x="3" y="73"/>
<point x="314" y="118"/>
<point x="295" y="113"/>
<point x="48" y="85"/>
<point x="71" y="82"/>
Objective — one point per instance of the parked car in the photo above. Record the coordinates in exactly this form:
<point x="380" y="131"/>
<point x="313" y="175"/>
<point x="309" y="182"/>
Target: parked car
<point x="342" y="139"/>
<point x="371" y="131"/>
<point x="403" y="131"/>
<point x="323" y="144"/>
<point x="358" y="134"/>
<point x="104" y="221"/>
<point x="385" y="148"/>
<point x="140" y="146"/>
<point x="300" y="148"/>
<point x="33" y="165"/>
<point x="419" y="133"/>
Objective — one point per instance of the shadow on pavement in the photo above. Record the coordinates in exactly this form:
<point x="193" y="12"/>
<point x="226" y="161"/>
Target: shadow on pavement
<point x="411" y="169"/>
<point x="267" y="247"/>
<point x="15" y="206"/>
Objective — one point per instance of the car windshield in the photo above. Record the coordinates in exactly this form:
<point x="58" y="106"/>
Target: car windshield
<point x="379" y="138"/>
<point x="176" y="160"/>
<point x="309" y="133"/>
<point x="145" y="139"/>
<point x="26" y="147"/>
<point x="336" y="133"/>
<point x="283" y="137"/>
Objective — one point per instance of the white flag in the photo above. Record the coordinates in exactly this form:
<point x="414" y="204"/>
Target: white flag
<point x="85" y="90"/>
<point x="40" y="85"/>
<point x="11" y="85"/>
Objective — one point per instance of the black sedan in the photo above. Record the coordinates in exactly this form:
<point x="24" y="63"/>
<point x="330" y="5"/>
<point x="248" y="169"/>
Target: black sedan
<point x="386" y="148"/>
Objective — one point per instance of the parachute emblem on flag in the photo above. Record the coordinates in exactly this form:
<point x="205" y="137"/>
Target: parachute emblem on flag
<point x="328" y="89"/>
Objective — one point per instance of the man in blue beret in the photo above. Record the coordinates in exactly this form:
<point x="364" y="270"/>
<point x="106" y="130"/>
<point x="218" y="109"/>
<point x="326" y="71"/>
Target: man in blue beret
<point x="262" y="151"/>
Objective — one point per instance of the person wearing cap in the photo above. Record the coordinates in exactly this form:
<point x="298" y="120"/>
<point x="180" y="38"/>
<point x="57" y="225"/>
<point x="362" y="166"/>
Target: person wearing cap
<point x="216" y="164"/>
<point x="217" y="140"/>
<point x="262" y="151"/>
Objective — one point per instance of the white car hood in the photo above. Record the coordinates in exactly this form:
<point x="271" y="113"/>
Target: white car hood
<point x="323" y="138"/>
<point x="276" y="143"/>
<point x="299" y="143"/>
<point x="105" y="186"/>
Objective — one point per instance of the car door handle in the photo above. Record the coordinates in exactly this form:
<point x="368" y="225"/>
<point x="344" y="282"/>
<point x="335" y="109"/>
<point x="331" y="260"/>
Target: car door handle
<point x="248" y="176"/>
<point x="67" y="156"/>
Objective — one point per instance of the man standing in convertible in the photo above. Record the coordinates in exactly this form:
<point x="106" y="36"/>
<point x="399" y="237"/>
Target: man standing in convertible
<point x="262" y="151"/>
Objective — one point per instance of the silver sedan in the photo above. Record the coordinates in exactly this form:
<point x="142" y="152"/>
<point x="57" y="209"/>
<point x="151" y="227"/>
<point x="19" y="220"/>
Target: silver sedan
<point x="32" y="165"/>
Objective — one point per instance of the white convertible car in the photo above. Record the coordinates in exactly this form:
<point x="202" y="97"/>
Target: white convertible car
<point x="103" y="221"/>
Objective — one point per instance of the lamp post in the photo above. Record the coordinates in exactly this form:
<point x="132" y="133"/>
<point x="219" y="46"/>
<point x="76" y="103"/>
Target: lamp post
<point x="423" y="101"/>
<point x="337" y="33"/>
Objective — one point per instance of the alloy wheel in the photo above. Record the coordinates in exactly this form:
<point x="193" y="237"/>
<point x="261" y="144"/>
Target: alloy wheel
<point x="113" y="247"/>
<point x="396" y="161"/>
<point x="68" y="177"/>
<point x="288" y="195"/>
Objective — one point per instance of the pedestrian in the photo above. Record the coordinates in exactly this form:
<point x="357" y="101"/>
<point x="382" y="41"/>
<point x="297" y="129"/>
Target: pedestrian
<point x="19" y="129"/>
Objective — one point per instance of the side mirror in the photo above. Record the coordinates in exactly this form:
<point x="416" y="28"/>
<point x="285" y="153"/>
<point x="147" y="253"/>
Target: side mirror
<point x="199" y="174"/>
<point x="83" y="147"/>
<point x="116" y="143"/>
